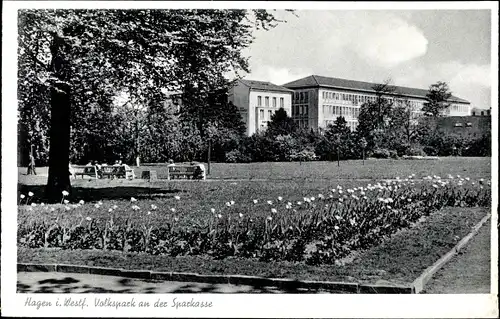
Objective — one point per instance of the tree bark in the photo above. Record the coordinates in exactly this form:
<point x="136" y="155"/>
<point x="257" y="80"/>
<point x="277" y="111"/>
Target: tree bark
<point x="59" y="136"/>
<point x="58" y="180"/>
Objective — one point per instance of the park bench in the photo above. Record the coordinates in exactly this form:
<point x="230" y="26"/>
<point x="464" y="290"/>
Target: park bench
<point x="122" y="171"/>
<point x="180" y="171"/>
<point x="90" y="171"/>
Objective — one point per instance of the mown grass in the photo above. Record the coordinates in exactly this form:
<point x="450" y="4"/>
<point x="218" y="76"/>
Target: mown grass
<point x="478" y="167"/>
<point x="401" y="259"/>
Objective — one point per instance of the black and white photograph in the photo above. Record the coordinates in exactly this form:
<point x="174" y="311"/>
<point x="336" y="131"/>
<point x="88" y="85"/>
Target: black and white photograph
<point x="214" y="159"/>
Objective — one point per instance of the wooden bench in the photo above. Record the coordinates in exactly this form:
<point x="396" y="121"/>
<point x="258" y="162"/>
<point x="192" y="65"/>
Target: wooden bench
<point x="90" y="171"/>
<point x="183" y="172"/>
<point x="121" y="171"/>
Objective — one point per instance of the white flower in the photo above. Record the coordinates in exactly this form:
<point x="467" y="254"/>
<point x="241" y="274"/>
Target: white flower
<point x="172" y="210"/>
<point x="149" y="213"/>
<point x="42" y="204"/>
<point x="288" y="206"/>
<point x="66" y="201"/>
<point x="52" y="209"/>
<point x="255" y="201"/>
<point x="22" y="196"/>
<point x="312" y="199"/>
<point x="110" y="210"/>
<point x="350" y="190"/>
<point x="33" y="204"/>
<point x="154" y="207"/>
<point x="88" y="218"/>
<point x="364" y="197"/>
<point x="339" y="187"/>
<point x="81" y="202"/>
<point x="435" y="186"/>
<point x="389" y="207"/>
<point x="219" y="216"/>
<point x="30" y="194"/>
<point x="176" y="219"/>
<point x="177" y="197"/>
<point x="340" y="191"/>
<point x="458" y="176"/>
<point x="389" y="200"/>
<point x="331" y="195"/>
<point x="67" y="207"/>
<point x="336" y="227"/>
<point x="96" y="205"/>
<point x="232" y="202"/>
<point x="135" y="207"/>
<point x="337" y="217"/>
<point x="115" y="207"/>
<point x="340" y="199"/>
<point x="75" y="206"/>
<point x="228" y="204"/>
<point x="212" y="210"/>
<point x="132" y="199"/>
<point x="100" y="203"/>
<point x="273" y="210"/>
<point x="30" y="209"/>
<point x="65" y="193"/>
<point x="354" y="196"/>
<point x="270" y="202"/>
<point x="241" y="215"/>
<point x="467" y="179"/>
<point x="299" y="203"/>
<point x="362" y="193"/>
<point x="333" y="190"/>
<point x="280" y="198"/>
<point x="269" y="218"/>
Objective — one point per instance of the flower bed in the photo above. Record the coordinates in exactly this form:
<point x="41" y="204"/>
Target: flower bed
<point x="317" y="230"/>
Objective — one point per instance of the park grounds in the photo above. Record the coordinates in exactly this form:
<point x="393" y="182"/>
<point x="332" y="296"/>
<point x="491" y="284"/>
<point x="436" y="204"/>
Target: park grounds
<point x="384" y="221"/>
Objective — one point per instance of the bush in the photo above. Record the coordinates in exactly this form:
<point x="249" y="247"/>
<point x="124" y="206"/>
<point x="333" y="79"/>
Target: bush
<point x="393" y="154"/>
<point x="303" y="156"/>
<point x="380" y="153"/>
<point x="431" y="151"/>
<point x="236" y="156"/>
<point x="415" y="151"/>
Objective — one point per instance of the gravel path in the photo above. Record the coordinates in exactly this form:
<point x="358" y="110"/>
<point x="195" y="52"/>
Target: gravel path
<point x="468" y="271"/>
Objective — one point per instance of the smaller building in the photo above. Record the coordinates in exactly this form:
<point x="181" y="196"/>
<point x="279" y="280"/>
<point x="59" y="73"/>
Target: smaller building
<point x="257" y="101"/>
<point x="481" y="112"/>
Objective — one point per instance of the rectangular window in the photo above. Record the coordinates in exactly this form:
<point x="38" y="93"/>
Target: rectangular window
<point x="282" y="102"/>
<point x="306" y="96"/>
<point x="267" y="100"/>
<point x="269" y="114"/>
<point x="261" y="114"/>
<point x="306" y="110"/>
<point x="259" y="100"/>
<point x="274" y="102"/>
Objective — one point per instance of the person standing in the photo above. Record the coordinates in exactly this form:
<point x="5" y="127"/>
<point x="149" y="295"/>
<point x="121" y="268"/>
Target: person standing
<point x="31" y="165"/>
<point x="138" y="161"/>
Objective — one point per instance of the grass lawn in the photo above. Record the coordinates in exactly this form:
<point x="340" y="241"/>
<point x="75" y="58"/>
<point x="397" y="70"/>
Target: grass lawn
<point x="399" y="260"/>
<point x="374" y="169"/>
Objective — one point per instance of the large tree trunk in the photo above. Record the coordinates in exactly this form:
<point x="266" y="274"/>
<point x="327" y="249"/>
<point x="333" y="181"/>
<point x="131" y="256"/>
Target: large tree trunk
<point x="58" y="180"/>
<point x="60" y="104"/>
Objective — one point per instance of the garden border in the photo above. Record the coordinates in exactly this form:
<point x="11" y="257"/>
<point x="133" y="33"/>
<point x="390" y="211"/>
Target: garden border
<point x="418" y="284"/>
<point x="415" y="287"/>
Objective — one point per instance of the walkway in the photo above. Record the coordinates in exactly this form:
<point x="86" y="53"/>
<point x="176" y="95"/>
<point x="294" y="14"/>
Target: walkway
<point x="468" y="271"/>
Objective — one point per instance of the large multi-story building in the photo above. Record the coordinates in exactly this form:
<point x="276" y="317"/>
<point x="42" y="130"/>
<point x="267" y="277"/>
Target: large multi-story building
<point x="257" y="101"/>
<point x="318" y="101"/>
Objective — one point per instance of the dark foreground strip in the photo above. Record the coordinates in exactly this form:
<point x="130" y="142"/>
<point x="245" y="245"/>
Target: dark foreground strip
<point x="419" y="283"/>
<point x="280" y="283"/>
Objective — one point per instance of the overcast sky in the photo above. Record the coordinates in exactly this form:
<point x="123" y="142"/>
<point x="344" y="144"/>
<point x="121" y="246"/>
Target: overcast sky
<point x="413" y="48"/>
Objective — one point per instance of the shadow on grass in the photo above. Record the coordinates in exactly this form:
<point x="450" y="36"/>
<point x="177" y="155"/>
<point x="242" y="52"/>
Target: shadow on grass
<point x="90" y="194"/>
<point x="101" y="284"/>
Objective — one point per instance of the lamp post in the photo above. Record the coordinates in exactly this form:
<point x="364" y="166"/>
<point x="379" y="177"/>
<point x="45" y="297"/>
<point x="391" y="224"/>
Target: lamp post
<point x="337" y="140"/>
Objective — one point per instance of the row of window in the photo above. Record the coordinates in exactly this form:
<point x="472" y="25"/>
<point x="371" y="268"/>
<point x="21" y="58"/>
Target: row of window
<point x="460" y="108"/>
<point x="345" y="111"/>
<point x="302" y="123"/>
<point x="359" y="99"/>
<point x="352" y="125"/>
<point x="266" y="101"/>
<point x="300" y="110"/>
<point x="262" y="113"/>
<point x="301" y="97"/>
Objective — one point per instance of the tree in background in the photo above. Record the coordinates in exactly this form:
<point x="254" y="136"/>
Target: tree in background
<point x="76" y="53"/>
<point x="437" y="99"/>
<point x="338" y="142"/>
<point x="281" y="124"/>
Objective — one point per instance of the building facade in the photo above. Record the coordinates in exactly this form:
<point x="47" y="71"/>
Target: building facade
<point x="257" y="101"/>
<point x="318" y="101"/>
